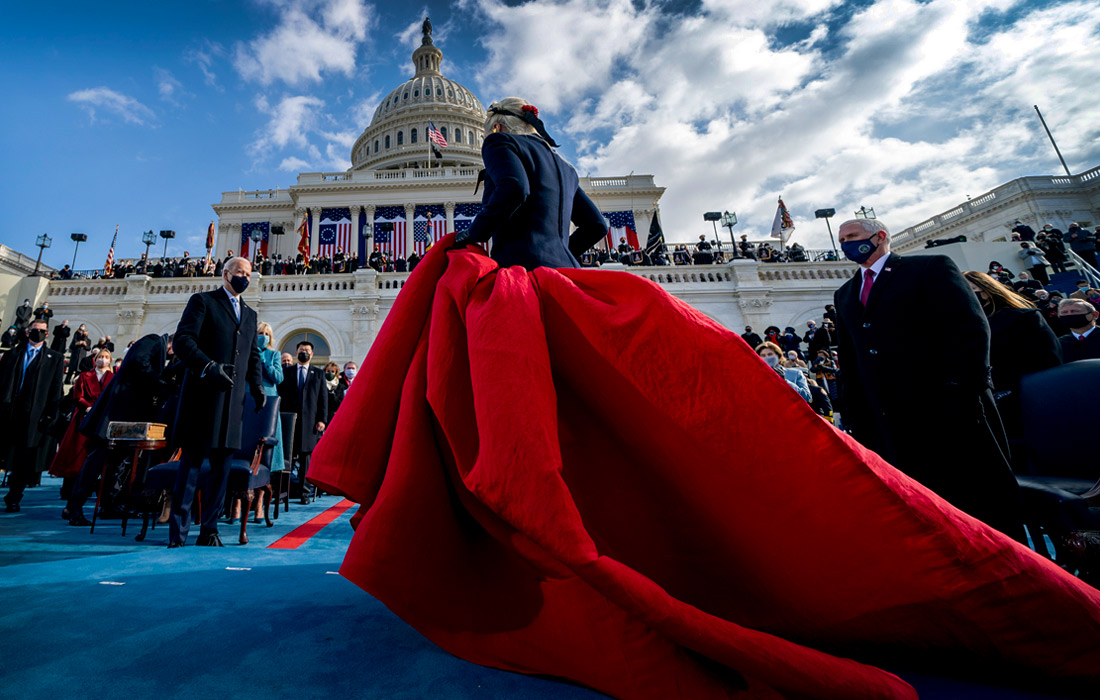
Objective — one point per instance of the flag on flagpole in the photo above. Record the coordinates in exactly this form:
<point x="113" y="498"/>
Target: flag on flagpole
<point x="111" y="255"/>
<point x="303" y="241"/>
<point x="656" y="236"/>
<point x="435" y="136"/>
<point x="209" y="246"/>
<point x="783" y="226"/>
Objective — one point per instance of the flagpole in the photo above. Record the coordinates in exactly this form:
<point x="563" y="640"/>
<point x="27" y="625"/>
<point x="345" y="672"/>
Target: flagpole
<point x="429" y="140"/>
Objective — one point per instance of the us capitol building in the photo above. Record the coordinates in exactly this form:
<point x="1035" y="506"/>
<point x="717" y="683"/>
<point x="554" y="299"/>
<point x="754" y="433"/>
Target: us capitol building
<point x="397" y="196"/>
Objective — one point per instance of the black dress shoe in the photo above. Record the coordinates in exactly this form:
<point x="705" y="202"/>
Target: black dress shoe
<point x="173" y="544"/>
<point x="12" y="508"/>
<point x="79" y="520"/>
<point x="211" y="540"/>
<point x="64" y="513"/>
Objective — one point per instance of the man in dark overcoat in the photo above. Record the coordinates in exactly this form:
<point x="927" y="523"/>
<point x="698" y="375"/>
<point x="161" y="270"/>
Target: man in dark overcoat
<point x="23" y="314"/>
<point x="130" y="397"/>
<point x="60" y="337"/>
<point x="942" y="430"/>
<point x="304" y="392"/>
<point x="216" y="342"/>
<point x="30" y="396"/>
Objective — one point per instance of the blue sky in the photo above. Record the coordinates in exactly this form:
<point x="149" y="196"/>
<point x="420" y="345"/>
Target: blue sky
<point x="141" y="114"/>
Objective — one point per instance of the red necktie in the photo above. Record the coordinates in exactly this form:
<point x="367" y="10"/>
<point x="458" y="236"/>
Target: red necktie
<point x="868" y="280"/>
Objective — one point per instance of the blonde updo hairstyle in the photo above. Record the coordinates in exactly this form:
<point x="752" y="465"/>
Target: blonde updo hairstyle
<point x="510" y="124"/>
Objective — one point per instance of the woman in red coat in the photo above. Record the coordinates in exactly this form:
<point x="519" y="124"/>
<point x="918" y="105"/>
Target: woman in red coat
<point x="73" y="450"/>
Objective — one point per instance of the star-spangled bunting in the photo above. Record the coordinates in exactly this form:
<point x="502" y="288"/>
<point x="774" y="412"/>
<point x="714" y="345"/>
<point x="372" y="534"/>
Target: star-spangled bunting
<point x="390" y="239"/>
<point x="337" y="233"/>
<point x="263" y="227"/>
<point x="621" y="225"/>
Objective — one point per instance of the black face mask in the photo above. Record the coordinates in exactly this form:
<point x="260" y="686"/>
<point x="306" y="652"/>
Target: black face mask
<point x="303" y="356"/>
<point x="36" y="335"/>
<point x="1074" y="320"/>
<point x="239" y="283"/>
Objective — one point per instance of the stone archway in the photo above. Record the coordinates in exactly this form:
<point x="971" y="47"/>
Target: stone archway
<point x="322" y="350"/>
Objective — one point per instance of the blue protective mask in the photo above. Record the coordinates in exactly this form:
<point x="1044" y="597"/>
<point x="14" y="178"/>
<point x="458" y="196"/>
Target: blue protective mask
<point x="859" y="251"/>
<point x="261" y="340"/>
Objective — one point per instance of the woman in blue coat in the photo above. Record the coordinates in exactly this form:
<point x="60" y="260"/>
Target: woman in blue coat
<point x="271" y="371"/>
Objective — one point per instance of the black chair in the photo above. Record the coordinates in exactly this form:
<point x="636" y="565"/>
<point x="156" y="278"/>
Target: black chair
<point x="250" y="468"/>
<point x="258" y="433"/>
<point x="1063" y="460"/>
<point x="280" y="480"/>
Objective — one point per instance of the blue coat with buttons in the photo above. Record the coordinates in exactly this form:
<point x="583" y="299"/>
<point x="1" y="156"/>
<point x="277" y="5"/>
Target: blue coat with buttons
<point x="531" y="195"/>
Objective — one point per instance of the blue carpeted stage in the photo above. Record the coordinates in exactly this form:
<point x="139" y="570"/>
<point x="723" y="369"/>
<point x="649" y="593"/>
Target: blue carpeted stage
<point x="102" y="616"/>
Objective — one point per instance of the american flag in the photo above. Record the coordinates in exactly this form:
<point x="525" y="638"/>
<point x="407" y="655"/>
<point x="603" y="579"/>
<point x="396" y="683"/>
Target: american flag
<point x="390" y="239"/>
<point x="111" y="255"/>
<point x="435" y="136"/>
<point x="620" y="224"/>
<point x="336" y="233"/>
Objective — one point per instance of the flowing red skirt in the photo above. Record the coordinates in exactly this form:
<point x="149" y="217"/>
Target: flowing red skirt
<point x="73" y="450"/>
<point x="572" y="473"/>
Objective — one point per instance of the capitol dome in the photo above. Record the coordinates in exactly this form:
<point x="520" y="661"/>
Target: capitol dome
<point x="398" y="133"/>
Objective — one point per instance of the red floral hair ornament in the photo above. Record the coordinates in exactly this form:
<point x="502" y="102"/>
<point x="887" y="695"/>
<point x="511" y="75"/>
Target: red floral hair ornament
<point x="531" y="108"/>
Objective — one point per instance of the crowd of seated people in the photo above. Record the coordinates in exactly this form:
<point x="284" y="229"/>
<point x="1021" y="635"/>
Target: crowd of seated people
<point x="78" y="387"/>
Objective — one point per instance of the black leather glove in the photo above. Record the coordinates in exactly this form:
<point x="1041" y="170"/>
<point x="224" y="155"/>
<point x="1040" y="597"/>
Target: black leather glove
<point x="217" y="377"/>
<point x="259" y="397"/>
<point x="462" y="239"/>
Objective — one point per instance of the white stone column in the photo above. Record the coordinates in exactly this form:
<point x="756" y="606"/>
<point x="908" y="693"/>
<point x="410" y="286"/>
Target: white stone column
<point x="354" y="209"/>
<point x="221" y="246"/>
<point x="232" y="239"/>
<point x="313" y="231"/>
<point x="410" y="210"/>
<point x="369" y="227"/>
<point x="449" y="208"/>
<point x="642" y="217"/>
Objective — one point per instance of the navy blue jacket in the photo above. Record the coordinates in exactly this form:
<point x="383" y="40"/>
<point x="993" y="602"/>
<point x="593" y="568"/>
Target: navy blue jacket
<point x="531" y="195"/>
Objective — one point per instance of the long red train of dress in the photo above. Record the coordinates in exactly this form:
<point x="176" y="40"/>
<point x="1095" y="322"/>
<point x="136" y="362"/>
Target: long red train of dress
<point x="572" y="473"/>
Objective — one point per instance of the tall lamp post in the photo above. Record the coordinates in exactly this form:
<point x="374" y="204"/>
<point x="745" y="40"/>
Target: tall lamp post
<point x="277" y="231"/>
<point x="729" y="220"/>
<point x="43" y="242"/>
<point x="256" y="236"/>
<point x="865" y="213"/>
<point x="713" y="217"/>
<point x="825" y="214"/>
<point x="78" y="238"/>
<point x="166" y="235"/>
<point x="148" y="238"/>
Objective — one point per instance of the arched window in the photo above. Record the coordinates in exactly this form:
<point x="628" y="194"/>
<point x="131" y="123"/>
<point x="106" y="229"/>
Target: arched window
<point x="443" y="130"/>
<point x="400" y="138"/>
<point x="387" y="141"/>
<point x="376" y="145"/>
<point x="470" y="137"/>
<point x="412" y="135"/>
<point x="458" y="136"/>
<point x="321" y="349"/>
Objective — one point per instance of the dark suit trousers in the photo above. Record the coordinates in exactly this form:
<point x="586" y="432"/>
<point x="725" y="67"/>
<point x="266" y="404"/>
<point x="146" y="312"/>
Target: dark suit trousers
<point x="21" y="461"/>
<point x="187" y="480"/>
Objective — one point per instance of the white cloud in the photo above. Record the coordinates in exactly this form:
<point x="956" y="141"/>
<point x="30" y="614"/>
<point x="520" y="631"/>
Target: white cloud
<point x="203" y="57"/>
<point x="298" y="123"/>
<point x="294" y="165"/>
<point x="312" y="37"/>
<point x="169" y="89"/>
<point x="116" y="103"/>
<point x="907" y="106"/>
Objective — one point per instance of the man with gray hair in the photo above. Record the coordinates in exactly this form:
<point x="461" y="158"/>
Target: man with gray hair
<point x="1082" y="342"/>
<point x="942" y="430"/>
<point x="216" y="342"/>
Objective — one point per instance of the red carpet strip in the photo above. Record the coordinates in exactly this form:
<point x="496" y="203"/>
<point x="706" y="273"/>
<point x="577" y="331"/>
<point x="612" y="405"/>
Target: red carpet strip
<point x="298" y="536"/>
